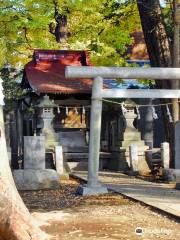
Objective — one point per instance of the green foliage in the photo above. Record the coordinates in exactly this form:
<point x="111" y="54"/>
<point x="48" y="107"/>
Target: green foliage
<point x="22" y="27"/>
<point x="103" y="27"/>
<point x="11" y="83"/>
<point x="100" y="26"/>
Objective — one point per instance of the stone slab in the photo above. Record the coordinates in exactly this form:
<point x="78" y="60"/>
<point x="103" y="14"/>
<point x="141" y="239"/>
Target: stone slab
<point x="34" y="152"/>
<point x="30" y="179"/>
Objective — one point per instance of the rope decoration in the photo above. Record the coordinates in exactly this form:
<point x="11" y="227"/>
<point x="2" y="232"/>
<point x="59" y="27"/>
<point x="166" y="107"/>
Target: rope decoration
<point x="138" y="113"/>
<point x="76" y="111"/>
<point x="83" y="110"/>
<point x="169" y="114"/>
<point x="67" y="111"/>
<point x="138" y="106"/>
<point x="154" y="114"/>
<point x="124" y="110"/>
<point x="58" y="110"/>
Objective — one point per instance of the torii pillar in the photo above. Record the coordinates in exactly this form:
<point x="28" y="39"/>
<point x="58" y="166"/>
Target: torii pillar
<point x="93" y="186"/>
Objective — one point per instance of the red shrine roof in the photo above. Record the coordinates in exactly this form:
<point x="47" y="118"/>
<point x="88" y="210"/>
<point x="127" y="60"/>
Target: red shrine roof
<point x="46" y="72"/>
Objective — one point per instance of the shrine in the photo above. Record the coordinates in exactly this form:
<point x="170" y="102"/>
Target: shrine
<point x="58" y="109"/>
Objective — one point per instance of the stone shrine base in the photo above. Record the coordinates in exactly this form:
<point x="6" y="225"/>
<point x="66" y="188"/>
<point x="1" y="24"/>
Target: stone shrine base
<point x="30" y="179"/>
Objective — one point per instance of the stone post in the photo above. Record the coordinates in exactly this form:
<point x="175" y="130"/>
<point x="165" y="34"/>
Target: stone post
<point x="165" y="156"/>
<point x="93" y="187"/>
<point x="133" y="155"/>
<point x="60" y="163"/>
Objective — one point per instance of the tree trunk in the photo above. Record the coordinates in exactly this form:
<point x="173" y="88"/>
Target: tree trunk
<point x="155" y="33"/>
<point x="159" y="50"/>
<point x="60" y="28"/>
<point x="16" y="222"/>
<point x="175" y="58"/>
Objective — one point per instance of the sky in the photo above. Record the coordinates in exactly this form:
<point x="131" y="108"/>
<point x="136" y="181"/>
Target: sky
<point x="162" y="2"/>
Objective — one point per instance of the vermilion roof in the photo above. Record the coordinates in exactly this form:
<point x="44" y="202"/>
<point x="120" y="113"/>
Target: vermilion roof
<point x="46" y="73"/>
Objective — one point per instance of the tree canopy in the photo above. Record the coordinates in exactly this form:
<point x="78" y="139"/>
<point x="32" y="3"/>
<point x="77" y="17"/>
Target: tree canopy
<point x="100" y="26"/>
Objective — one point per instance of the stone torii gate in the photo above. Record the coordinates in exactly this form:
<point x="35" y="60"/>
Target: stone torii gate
<point x="98" y="93"/>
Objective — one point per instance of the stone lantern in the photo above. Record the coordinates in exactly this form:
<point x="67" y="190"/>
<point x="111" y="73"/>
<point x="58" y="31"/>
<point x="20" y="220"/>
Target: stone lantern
<point x="130" y="116"/>
<point x="131" y="136"/>
<point x="46" y="106"/>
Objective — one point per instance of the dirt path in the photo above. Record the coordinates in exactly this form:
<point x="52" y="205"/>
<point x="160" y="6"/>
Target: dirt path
<point x="67" y="216"/>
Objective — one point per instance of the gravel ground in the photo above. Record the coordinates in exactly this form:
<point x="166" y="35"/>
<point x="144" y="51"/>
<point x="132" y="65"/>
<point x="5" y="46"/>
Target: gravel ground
<point x="64" y="215"/>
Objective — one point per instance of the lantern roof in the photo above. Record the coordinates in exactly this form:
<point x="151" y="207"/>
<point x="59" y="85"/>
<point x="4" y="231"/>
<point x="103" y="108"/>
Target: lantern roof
<point x="47" y="103"/>
<point x="130" y="102"/>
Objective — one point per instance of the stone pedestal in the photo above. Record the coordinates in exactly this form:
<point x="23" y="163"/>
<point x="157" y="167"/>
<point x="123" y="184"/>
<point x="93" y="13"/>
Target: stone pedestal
<point x="34" y="176"/>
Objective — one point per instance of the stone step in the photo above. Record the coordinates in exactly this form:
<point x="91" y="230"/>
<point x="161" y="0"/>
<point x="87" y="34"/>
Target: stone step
<point x="77" y="166"/>
<point x="67" y="149"/>
<point x="83" y="165"/>
<point x="84" y="156"/>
